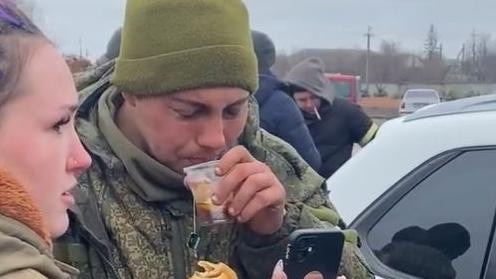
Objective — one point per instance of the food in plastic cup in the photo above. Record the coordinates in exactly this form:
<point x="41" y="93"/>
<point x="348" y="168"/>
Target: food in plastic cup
<point x="202" y="180"/>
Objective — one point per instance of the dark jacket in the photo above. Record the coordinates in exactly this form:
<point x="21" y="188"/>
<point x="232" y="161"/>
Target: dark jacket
<point x="342" y="123"/>
<point x="280" y="116"/>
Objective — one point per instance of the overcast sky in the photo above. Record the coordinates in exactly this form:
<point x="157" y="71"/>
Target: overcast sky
<point x="294" y="24"/>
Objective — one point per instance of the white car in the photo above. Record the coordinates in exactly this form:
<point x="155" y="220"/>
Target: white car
<point x="415" y="99"/>
<point x="422" y="194"/>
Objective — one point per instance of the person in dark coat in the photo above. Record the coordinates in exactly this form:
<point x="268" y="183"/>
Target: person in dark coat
<point x="334" y="123"/>
<point x="279" y="115"/>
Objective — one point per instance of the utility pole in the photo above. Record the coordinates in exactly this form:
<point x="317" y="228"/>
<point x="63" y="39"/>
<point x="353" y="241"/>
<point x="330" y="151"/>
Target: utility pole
<point x="80" y="47"/>
<point x="474" y="54"/>
<point x="367" y="58"/>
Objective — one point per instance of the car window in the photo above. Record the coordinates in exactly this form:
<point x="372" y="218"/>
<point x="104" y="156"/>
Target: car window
<point x="422" y="94"/>
<point x="440" y="229"/>
<point x="341" y="88"/>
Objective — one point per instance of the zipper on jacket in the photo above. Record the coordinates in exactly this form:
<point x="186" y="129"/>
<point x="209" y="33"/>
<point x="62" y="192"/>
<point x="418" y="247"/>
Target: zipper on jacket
<point x="91" y="238"/>
<point x="178" y="248"/>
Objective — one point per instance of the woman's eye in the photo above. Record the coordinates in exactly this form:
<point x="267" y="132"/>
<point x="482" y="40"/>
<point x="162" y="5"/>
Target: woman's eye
<point x="62" y="122"/>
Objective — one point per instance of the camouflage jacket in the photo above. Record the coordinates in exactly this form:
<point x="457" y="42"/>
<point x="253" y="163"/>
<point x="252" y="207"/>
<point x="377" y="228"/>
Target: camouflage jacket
<point x="90" y="246"/>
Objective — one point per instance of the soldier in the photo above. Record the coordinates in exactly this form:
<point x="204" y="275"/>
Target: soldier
<point x="180" y="94"/>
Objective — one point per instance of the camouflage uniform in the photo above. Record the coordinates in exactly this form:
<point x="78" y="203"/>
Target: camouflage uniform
<point x="116" y="234"/>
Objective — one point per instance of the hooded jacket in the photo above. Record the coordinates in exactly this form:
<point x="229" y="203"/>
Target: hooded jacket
<point x="342" y="123"/>
<point x="25" y="247"/>
<point x="113" y="48"/>
<point x="279" y="115"/>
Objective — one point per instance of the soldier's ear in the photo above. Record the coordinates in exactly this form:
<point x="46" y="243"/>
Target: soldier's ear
<point x="130" y="99"/>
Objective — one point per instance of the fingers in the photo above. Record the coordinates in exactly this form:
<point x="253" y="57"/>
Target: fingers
<point x="279" y="271"/>
<point x="266" y="199"/>
<point x="252" y="192"/>
<point x="236" y="155"/>
<point x="232" y="181"/>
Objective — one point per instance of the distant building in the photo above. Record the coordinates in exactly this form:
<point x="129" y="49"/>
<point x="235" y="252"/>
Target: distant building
<point x="77" y="64"/>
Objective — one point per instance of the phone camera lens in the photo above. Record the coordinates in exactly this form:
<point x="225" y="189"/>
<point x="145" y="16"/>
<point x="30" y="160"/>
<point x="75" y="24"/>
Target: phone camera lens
<point x="301" y="256"/>
<point x="303" y="244"/>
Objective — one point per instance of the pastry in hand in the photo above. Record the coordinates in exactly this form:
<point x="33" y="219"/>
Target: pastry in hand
<point x="214" y="271"/>
<point x="202" y="192"/>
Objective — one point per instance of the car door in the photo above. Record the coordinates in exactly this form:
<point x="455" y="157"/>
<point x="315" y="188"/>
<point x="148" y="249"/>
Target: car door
<point x="437" y="222"/>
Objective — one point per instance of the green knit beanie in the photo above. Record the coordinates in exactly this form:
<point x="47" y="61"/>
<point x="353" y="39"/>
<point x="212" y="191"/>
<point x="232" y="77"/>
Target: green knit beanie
<point x="175" y="45"/>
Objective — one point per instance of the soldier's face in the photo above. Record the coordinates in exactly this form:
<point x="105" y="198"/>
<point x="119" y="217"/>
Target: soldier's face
<point x="307" y="101"/>
<point x="38" y="143"/>
<point x="189" y="127"/>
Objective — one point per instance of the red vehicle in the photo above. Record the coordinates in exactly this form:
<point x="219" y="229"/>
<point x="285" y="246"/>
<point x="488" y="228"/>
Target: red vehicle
<point x="346" y="86"/>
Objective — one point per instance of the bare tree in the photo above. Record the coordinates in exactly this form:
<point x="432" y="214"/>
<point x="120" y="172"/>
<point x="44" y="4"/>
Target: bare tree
<point x="389" y="47"/>
<point x="479" y="57"/>
<point x="486" y="59"/>
<point x="282" y="65"/>
<point x="391" y="61"/>
<point x="391" y="64"/>
<point x="434" y="71"/>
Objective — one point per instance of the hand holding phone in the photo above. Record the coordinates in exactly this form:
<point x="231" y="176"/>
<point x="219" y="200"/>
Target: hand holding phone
<point x="312" y="250"/>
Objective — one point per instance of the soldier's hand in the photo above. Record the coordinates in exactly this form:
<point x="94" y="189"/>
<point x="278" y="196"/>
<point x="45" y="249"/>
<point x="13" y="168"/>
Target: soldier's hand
<point x="256" y="197"/>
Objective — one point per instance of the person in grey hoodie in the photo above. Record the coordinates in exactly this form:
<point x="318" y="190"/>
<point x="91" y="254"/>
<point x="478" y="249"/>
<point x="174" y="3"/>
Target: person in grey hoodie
<point x="334" y="123"/>
<point x="279" y="115"/>
<point x="113" y="48"/>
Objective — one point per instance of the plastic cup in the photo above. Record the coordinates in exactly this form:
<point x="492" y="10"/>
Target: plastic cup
<point x="202" y="180"/>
